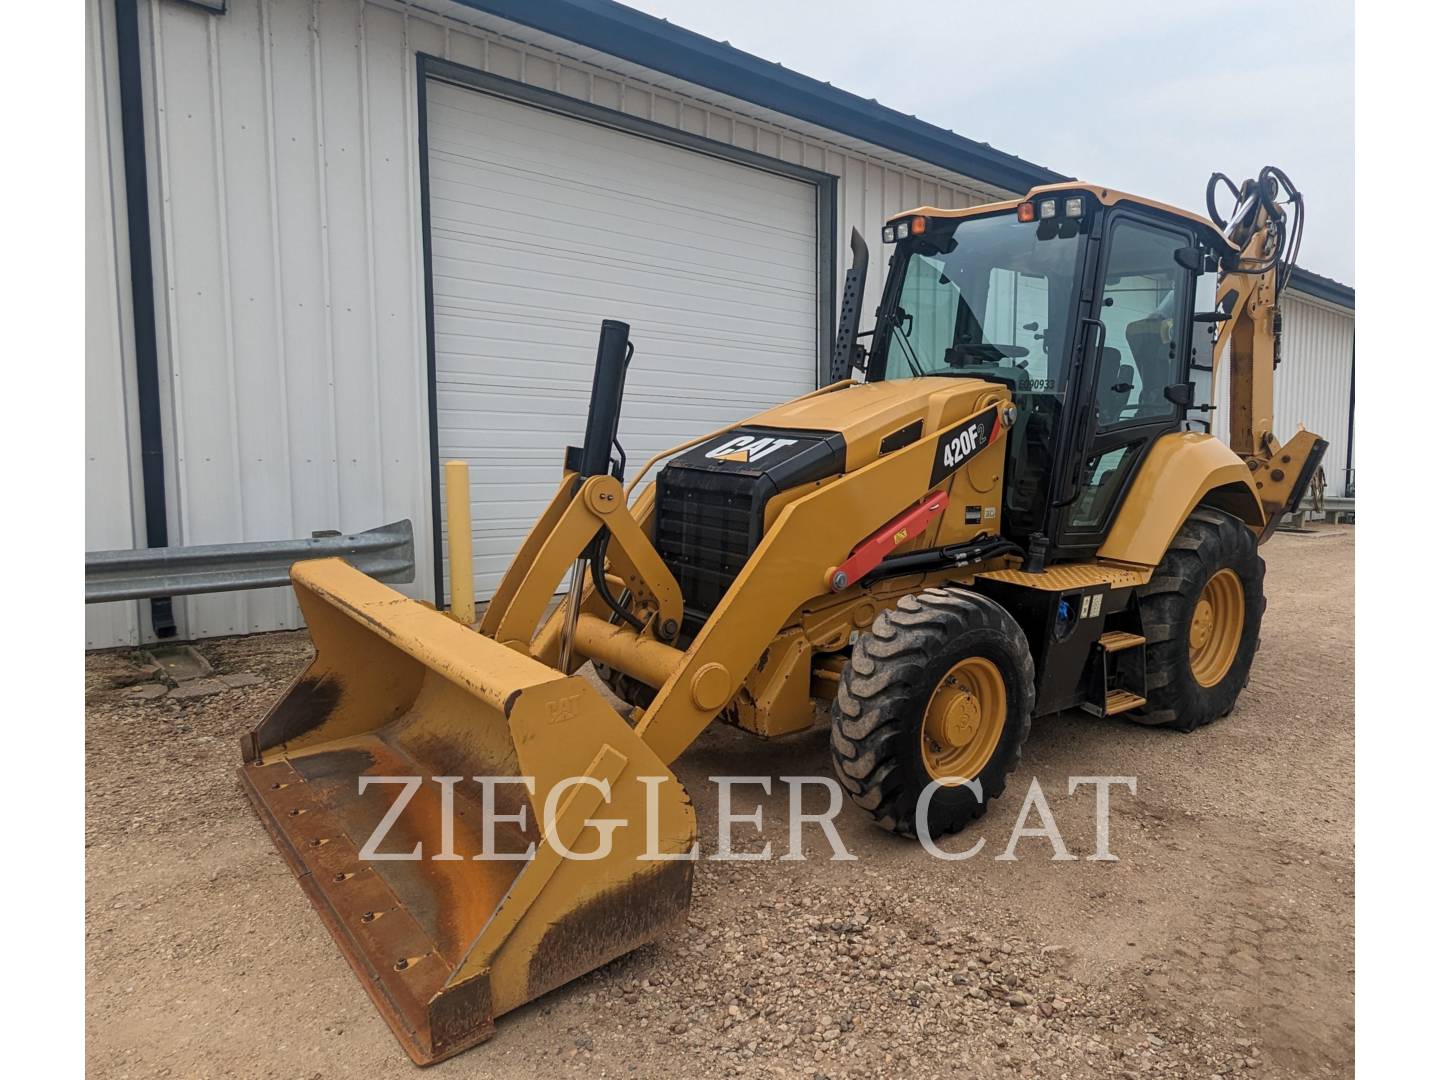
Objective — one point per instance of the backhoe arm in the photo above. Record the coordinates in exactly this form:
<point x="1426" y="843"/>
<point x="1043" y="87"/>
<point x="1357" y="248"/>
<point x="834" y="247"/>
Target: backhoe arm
<point x="1248" y="293"/>
<point x="1252" y="332"/>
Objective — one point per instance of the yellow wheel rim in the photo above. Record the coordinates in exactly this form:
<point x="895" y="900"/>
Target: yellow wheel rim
<point x="1216" y="626"/>
<point x="963" y="721"/>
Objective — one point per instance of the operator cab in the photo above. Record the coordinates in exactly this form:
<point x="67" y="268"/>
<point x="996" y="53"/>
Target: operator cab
<point x="1081" y="300"/>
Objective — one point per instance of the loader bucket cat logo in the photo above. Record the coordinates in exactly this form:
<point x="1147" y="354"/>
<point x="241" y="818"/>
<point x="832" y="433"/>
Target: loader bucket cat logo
<point x="747" y="449"/>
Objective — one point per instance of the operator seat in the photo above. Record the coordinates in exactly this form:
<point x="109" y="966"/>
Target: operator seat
<point x="1153" y="355"/>
<point x="1110" y="402"/>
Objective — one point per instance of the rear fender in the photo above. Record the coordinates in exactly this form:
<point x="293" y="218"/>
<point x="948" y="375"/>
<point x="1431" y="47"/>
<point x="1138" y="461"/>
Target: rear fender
<point x="1182" y="471"/>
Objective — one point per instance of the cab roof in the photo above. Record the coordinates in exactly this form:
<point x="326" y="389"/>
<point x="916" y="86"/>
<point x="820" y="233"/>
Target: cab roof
<point x="1106" y="196"/>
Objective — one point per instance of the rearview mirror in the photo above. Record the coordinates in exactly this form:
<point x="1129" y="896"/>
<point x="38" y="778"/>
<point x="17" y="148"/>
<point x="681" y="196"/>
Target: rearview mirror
<point x="1181" y="394"/>
<point x="1191" y="258"/>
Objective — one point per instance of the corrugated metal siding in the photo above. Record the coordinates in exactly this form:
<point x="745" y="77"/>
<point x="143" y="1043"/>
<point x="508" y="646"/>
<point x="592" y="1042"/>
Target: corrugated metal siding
<point x="1312" y="383"/>
<point x="110" y="517"/>
<point x="284" y="168"/>
<point x="1220" y="418"/>
<point x="284" y="334"/>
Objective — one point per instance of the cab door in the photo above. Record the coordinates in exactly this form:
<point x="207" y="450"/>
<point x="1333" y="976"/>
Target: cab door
<point x="1140" y="338"/>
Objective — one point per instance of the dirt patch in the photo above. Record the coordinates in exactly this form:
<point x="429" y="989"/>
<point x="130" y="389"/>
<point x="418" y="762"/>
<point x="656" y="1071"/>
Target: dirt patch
<point x="1220" y="942"/>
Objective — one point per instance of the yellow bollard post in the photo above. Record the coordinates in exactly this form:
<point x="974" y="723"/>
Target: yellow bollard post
<point x="457" y="535"/>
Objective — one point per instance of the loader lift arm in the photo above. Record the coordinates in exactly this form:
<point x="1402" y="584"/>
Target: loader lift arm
<point x="793" y="564"/>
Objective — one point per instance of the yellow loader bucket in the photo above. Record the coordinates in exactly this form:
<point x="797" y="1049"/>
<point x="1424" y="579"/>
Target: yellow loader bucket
<point x="444" y="935"/>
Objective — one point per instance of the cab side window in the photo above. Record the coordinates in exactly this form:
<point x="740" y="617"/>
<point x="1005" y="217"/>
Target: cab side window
<point x="1202" y="341"/>
<point x="1144" y="290"/>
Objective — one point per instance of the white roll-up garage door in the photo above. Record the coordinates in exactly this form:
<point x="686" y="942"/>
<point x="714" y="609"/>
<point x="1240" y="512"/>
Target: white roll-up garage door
<point x="542" y="225"/>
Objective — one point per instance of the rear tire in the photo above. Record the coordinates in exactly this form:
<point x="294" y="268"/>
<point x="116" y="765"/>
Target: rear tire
<point x="1209" y="586"/>
<point x="879" y="736"/>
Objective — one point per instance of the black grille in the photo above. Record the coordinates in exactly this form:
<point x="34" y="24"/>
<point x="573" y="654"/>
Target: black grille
<point x="707" y="524"/>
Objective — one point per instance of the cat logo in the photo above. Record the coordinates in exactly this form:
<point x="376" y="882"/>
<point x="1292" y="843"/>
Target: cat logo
<point x="745" y="449"/>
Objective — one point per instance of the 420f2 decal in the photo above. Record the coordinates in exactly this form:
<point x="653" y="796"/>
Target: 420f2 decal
<point x="963" y="441"/>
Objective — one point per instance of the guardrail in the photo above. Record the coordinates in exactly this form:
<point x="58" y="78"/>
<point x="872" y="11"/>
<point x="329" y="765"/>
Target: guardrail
<point x="386" y="553"/>
<point x="1332" y="510"/>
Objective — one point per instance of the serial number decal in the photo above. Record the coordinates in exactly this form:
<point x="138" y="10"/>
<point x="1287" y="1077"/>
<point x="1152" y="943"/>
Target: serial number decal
<point x="963" y="442"/>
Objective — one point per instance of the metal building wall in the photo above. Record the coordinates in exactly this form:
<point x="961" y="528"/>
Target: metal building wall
<point x="110" y="511"/>
<point x="1312" y="383"/>
<point x="283" y="154"/>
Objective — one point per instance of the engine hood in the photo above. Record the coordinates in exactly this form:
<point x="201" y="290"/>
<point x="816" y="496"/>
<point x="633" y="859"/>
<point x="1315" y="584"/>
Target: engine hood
<point x="833" y="432"/>
<point x="715" y="500"/>
<point x="876" y="418"/>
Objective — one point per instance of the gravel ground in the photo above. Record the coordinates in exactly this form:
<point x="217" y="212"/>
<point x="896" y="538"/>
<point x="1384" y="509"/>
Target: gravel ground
<point x="1220" y="943"/>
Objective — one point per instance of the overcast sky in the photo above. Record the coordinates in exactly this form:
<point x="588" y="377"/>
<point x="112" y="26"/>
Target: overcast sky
<point x="1143" y="95"/>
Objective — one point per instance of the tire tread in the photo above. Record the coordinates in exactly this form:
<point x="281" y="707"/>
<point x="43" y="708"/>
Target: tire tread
<point x="878" y="691"/>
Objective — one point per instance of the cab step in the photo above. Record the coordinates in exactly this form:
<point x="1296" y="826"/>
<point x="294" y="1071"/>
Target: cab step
<point x="1117" y="640"/>
<point x="1119" y="701"/>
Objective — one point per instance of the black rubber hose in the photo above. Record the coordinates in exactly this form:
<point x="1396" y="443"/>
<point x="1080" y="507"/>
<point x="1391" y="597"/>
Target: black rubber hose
<point x="943" y="558"/>
<point x="1268" y="185"/>
<point x="602" y="587"/>
<point x="1290" y="244"/>
<point x="1215" y="179"/>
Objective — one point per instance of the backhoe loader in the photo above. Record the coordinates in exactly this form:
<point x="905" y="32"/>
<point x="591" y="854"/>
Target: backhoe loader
<point x="1007" y="503"/>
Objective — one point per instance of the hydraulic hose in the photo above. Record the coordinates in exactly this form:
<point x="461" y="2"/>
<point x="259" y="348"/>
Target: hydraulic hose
<point x="1265" y="189"/>
<point x="602" y="587"/>
<point x="987" y="547"/>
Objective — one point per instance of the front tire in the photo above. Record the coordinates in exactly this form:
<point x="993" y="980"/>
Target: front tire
<point x="1201" y="614"/>
<point x="940" y="688"/>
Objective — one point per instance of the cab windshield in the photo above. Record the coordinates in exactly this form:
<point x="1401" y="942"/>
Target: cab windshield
<point x="991" y="297"/>
<point x="985" y="296"/>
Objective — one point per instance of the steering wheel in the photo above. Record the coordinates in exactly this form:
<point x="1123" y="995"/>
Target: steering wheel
<point x="983" y="352"/>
